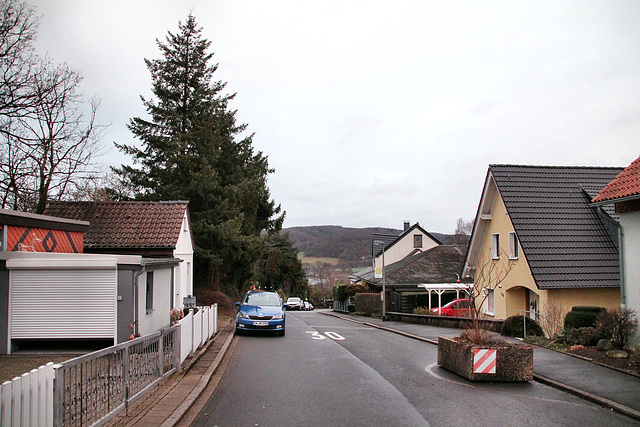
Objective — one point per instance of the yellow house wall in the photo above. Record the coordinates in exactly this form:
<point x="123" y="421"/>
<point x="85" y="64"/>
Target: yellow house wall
<point x="511" y="295"/>
<point x="608" y="298"/>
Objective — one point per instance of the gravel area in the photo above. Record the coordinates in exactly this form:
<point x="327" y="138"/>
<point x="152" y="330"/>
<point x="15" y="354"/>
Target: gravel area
<point x="17" y="364"/>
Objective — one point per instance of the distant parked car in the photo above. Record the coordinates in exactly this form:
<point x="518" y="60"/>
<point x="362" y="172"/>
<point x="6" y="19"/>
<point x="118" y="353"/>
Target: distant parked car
<point x="260" y="311"/>
<point x="308" y="305"/>
<point x="294" y="303"/>
<point x="456" y="308"/>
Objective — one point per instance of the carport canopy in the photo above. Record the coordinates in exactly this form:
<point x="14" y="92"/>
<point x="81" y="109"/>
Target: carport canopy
<point x="440" y="288"/>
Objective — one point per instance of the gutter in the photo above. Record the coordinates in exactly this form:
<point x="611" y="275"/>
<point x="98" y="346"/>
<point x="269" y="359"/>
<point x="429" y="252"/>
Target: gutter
<point x="143" y="269"/>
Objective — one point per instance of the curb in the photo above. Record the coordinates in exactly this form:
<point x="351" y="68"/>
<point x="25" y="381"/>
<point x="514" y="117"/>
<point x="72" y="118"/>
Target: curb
<point x="179" y="412"/>
<point x="607" y="403"/>
<point x="614" y="406"/>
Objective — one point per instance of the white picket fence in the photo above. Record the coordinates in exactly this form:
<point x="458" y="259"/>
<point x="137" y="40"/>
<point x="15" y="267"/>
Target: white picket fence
<point x="203" y="325"/>
<point x="43" y="397"/>
<point x="28" y="400"/>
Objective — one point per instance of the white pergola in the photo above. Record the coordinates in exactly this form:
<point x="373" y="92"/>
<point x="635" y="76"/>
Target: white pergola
<point x="440" y="288"/>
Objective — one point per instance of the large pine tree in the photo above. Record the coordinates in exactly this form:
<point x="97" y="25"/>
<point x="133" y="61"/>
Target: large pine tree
<point x="193" y="149"/>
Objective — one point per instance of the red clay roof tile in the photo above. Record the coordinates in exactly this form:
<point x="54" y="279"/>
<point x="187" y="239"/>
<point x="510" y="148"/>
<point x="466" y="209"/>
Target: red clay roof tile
<point x="114" y="225"/>
<point x="626" y="184"/>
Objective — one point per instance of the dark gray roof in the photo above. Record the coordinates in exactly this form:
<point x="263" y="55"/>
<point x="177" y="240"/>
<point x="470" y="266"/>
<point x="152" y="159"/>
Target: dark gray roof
<point x="440" y="264"/>
<point x="563" y="238"/>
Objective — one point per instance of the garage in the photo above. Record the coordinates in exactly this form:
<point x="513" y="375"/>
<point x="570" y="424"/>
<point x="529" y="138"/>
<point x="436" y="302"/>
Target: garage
<point x="62" y="298"/>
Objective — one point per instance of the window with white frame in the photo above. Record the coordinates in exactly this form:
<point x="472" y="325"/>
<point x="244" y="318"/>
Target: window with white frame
<point x="495" y="246"/>
<point x="489" y="302"/>
<point x="514" y="251"/>
<point x="417" y="240"/>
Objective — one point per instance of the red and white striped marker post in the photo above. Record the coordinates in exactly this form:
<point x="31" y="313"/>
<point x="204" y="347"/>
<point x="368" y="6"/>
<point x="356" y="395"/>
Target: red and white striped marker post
<point x="484" y="361"/>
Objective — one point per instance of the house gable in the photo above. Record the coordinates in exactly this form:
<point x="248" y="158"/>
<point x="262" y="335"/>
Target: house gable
<point x="565" y="242"/>
<point x="412" y="241"/>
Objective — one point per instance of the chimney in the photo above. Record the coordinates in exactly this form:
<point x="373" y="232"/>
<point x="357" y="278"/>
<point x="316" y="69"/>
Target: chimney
<point x="406" y="225"/>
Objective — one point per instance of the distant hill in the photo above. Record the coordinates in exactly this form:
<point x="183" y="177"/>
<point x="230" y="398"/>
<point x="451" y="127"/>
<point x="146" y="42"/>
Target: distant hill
<point x="334" y="241"/>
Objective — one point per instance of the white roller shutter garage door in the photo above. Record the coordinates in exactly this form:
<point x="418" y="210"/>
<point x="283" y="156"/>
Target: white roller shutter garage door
<point x="64" y="303"/>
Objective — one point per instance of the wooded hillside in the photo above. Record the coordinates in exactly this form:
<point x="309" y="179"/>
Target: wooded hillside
<point x="334" y="241"/>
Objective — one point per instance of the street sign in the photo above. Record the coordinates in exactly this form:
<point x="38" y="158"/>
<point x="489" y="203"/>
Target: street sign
<point x="378" y="273"/>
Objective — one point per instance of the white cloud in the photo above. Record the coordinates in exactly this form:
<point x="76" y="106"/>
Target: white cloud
<point x="375" y="112"/>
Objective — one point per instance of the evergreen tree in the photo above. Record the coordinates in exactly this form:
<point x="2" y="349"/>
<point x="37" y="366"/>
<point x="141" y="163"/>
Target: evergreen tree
<point x="279" y="268"/>
<point x="193" y="149"/>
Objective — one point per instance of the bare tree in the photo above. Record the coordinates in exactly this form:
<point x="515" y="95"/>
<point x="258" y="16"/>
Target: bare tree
<point x="50" y="147"/>
<point x="488" y="275"/>
<point x="462" y="235"/>
<point x="18" y="61"/>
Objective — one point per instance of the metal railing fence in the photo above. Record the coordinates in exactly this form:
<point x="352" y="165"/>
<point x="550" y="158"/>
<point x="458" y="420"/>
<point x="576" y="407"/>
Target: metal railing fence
<point x="90" y="389"/>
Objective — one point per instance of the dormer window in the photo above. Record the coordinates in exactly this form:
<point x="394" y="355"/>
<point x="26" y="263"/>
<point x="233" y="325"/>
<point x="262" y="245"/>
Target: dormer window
<point x="417" y="240"/>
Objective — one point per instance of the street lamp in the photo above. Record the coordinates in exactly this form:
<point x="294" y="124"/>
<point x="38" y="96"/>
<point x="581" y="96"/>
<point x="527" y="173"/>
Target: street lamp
<point x="381" y="242"/>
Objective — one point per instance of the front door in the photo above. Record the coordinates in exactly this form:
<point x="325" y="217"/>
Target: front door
<point x="533" y="305"/>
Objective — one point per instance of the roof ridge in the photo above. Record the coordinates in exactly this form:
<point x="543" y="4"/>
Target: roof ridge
<point x="552" y="166"/>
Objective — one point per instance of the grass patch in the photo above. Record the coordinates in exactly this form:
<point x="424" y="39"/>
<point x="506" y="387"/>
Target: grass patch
<point x="322" y="260"/>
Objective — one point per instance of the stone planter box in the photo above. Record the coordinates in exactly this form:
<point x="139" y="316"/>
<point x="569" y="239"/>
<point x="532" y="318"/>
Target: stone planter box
<point x="513" y="362"/>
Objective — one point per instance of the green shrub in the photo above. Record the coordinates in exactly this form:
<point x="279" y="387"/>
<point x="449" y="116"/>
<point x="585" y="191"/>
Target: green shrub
<point x="368" y="304"/>
<point x="422" y="310"/>
<point x="588" y="309"/>
<point x="514" y="325"/>
<point x="582" y="317"/>
<point x="617" y="325"/>
<point x="340" y="293"/>
<point x="582" y="336"/>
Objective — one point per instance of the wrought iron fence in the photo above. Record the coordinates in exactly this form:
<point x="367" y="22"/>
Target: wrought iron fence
<point x="93" y="388"/>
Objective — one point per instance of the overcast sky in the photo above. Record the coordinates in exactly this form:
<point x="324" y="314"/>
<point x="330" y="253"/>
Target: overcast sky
<point x="376" y="112"/>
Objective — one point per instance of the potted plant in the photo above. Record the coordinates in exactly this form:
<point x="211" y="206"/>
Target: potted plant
<point x="478" y="354"/>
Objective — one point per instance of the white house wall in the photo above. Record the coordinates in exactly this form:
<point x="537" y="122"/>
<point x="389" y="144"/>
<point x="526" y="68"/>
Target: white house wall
<point x="631" y="228"/>
<point x="158" y="317"/>
<point x="400" y="249"/>
<point x="184" y="272"/>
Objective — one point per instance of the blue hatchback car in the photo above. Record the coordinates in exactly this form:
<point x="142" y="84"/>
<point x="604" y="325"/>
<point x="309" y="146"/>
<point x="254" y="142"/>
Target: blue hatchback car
<point x="260" y="311"/>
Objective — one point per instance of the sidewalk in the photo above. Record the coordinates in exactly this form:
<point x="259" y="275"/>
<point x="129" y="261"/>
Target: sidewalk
<point x="169" y="402"/>
<point x="604" y="386"/>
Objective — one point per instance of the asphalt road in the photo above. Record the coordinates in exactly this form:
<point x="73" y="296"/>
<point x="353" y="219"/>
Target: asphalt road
<point x="330" y="372"/>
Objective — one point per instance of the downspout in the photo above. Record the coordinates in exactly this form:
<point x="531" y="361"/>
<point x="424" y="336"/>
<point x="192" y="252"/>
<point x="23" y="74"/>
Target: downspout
<point x="135" y="297"/>
<point x="623" y="295"/>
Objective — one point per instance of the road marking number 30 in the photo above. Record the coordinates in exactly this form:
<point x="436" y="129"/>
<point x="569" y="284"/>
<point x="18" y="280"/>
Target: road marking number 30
<point x="317" y="336"/>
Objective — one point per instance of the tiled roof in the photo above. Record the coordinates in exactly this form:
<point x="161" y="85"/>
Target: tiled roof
<point x="626" y="184"/>
<point x="564" y="240"/>
<point x="125" y="225"/>
<point x="440" y="264"/>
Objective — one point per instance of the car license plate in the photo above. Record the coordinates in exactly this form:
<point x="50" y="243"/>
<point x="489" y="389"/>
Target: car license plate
<point x="260" y="323"/>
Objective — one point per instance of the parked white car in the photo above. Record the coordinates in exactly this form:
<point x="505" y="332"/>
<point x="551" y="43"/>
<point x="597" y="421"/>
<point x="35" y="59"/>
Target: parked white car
<point x="294" y="303"/>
